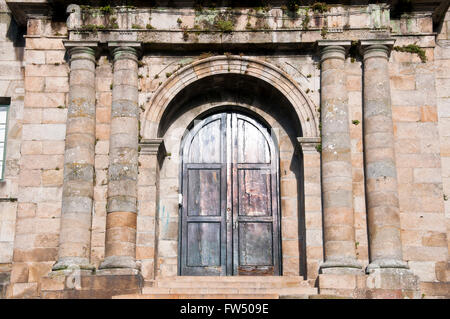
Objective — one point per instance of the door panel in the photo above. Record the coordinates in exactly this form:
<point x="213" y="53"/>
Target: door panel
<point x="203" y="218"/>
<point x="252" y="146"/>
<point x="229" y="214"/>
<point x="254" y="192"/>
<point x="255" y="244"/>
<point x="203" y="244"/>
<point x="206" y="145"/>
<point x="204" y="192"/>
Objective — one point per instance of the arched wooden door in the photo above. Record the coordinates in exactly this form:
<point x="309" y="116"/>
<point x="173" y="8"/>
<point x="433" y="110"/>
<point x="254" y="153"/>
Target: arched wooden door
<point x="229" y="215"/>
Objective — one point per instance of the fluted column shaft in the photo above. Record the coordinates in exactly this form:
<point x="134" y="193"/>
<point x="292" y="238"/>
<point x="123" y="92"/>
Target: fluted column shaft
<point x="338" y="220"/>
<point x="120" y="245"/>
<point x="78" y="185"/>
<point x="379" y="161"/>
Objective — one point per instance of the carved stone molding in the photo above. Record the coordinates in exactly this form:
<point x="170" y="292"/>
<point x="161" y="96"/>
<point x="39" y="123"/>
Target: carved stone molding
<point x="308" y="144"/>
<point x="153" y="146"/>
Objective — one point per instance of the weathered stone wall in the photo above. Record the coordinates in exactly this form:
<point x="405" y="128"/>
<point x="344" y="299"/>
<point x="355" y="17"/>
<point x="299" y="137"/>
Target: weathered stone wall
<point x="11" y="86"/>
<point x="442" y="78"/>
<point x="414" y="87"/>
<point x="42" y="156"/>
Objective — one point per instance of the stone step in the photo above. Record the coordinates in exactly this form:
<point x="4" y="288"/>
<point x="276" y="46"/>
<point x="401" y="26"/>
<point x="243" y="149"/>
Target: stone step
<point x="232" y="278"/>
<point x="229" y="284"/>
<point x="198" y="296"/>
<point x="278" y="291"/>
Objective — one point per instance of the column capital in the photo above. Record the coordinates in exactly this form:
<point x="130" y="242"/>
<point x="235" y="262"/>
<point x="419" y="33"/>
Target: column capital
<point x="333" y="49"/>
<point x="342" y="43"/>
<point x="376" y="48"/>
<point x="308" y="144"/>
<point x="125" y="49"/>
<point x="154" y="146"/>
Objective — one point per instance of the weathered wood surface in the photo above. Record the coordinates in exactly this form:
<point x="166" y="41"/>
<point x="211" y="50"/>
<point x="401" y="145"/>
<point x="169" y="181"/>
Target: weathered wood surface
<point x="230" y="219"/>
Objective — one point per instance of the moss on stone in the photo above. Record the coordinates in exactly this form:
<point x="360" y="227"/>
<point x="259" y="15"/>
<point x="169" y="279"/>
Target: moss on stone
<point x="224" y="25"/>
<point x="320" y="7"/>
<point x="323" y="32"/>
<point x="413" y="48"/>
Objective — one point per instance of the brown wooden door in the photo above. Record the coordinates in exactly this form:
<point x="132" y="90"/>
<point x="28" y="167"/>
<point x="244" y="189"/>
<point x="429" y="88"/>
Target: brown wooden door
<point x="229" y="213"/>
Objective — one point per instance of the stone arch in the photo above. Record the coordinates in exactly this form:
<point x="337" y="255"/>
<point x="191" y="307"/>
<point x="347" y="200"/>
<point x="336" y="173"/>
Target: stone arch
<point x="218" y="65"/>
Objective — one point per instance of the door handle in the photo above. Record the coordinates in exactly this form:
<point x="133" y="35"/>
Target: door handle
<point x="235" y="224"/>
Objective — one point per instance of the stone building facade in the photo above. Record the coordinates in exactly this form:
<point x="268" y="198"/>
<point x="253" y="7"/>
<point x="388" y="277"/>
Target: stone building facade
<point x="121" y="118"/>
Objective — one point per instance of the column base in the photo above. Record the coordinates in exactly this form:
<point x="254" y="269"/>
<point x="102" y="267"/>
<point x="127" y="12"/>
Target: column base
<point x="112" y="262"/>
<point x="73" y="263"/>
<point x="342" y="266"/>
<point x="386" y="263"/>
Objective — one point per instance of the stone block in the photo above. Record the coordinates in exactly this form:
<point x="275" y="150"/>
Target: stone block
<point x="19" y="273"/>
<point x="406" y="113"/>
<point x="425" y="253"/>
<point x="52" y="177"/>
<point x="32" y="116"/>
<point x="35" y="57"/>
<point x="384" y="294"/>
<point x="34" y="83"/>
<point x="168" y="248"/>
<point x="44" y="131"/>
<point x="435" y="239"/>
<point x="38" y="270"/>
<point x="435" y="289"/>
<point x="337" y="281"/>
<point x="55" y="56"/>
<point x="290" y="248"/>
<point x="44" y="100"/>
<point x="405" y="82"/>
<point x="30" y="177"/>
<point x="48" y="209"/>
<point x="7" y="229"/>
<point x="46" y="70"/>
<point x="427" y="175"/>
<point x="144" y="252"/>
<point x="6" y="252"/>
<point x="26" y="210"/>
<point x="54" y="283"/>
<point x="428" y="114"/>
<point x="53" y="147"/>
<point x="23" y="290"/>
<point x="44" y="44"/>
<point x="36" y="255"/>
<point x="425" y="270"/>
<point x="392" y="279"/>
<point x="57" y="84"/>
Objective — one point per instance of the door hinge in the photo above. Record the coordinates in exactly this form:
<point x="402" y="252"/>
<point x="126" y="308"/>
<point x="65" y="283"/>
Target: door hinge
<point x="180" y="200"/>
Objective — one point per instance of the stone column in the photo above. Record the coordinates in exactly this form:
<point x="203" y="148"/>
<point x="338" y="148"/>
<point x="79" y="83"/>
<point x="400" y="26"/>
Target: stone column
<point x="120" y="246"/>
<point x="78" y="185"/>
<point x="379" y="159"/>
<point x="337" y="196"/>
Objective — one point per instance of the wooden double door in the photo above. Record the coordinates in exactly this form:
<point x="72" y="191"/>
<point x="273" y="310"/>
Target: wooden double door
<point x="229" y="214"/>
